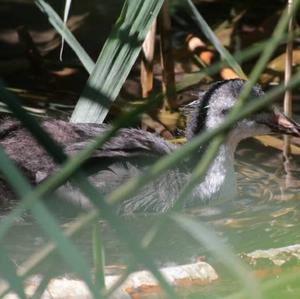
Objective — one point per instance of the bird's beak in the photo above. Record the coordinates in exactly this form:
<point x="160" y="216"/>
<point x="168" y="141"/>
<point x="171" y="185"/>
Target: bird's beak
<point x="280" y="123"/>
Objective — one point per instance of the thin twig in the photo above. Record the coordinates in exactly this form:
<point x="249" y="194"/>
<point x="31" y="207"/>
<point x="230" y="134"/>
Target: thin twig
<point x="287" y="77"/>
<point x="288" y="94"/>
<point x="167" y="59"/>
<point x="148" y="61"/>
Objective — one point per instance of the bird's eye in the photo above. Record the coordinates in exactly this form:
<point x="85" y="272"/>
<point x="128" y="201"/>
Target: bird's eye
<point x="225" y="111"/>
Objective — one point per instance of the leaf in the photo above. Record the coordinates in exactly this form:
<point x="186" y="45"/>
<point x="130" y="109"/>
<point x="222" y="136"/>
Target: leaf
<point x="66" y="14"/>
<point x="67" y="35"/>
<point x="116" y="60"/>
<point x="8" y="271"/>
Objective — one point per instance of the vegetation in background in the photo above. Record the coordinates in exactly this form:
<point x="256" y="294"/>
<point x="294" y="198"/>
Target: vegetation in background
<point x="100" y="89"/>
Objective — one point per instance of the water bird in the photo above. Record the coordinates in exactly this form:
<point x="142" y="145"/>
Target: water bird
<point x="132" y="151"/>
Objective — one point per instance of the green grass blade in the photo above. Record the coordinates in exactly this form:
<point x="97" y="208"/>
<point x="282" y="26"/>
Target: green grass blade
<point x="9" y="272"/>
<point x="116" y="60"/>
<point x="66" y="34"/>
<point x="215" y="41"/>
<point x="66" y="15"/>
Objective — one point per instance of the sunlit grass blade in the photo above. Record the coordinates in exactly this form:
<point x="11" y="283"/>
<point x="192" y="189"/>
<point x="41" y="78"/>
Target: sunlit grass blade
<point x="215" y="41"/>
<point x="207" y="237"/>
<point x="66" y="15"/>
<point x="66" y="34"/>
<point x="116" y="60"/>
<point x="9" y="272"/>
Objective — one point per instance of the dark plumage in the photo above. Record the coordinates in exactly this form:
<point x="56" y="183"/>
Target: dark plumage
<point x="122" y="157"/>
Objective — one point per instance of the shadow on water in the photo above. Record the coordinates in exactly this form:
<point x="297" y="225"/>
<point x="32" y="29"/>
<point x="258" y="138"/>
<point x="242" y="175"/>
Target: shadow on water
<point x="265" y="215"/>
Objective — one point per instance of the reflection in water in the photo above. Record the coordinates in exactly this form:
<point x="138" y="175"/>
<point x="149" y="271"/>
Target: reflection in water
<point x="266" y="215"/>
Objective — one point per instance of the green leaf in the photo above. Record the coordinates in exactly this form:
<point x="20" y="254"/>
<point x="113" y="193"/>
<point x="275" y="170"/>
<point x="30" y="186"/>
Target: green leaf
<point x="66" y="15"/>
<point x="116" y="60"/>
<point x="66" y="34"/>
<point x="8" y="271"/>
<point x="99" y="256"/>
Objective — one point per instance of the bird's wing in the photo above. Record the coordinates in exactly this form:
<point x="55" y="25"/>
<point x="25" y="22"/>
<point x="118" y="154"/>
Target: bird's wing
<point x="127" y="143"/>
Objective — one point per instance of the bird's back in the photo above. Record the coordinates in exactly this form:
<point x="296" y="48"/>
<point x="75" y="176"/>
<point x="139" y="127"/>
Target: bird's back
<point x="126" y="155"/>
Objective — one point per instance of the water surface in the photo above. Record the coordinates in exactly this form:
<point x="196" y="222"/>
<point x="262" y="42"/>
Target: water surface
<point x="265" y="215"/>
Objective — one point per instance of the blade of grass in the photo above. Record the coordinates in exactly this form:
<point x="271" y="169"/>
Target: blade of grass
<point x="9" y="272"/>
<point x="287" y="102"/>
<point x="141" y="255"/>
<point x="66" y="15"/>
<point x="116" y="60"/>
<point x="66" y="34"/>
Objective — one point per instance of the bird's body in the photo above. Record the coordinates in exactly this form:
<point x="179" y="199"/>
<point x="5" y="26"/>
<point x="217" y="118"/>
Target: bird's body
<point x="127" y="155"/>
<point x="132" y="151"/>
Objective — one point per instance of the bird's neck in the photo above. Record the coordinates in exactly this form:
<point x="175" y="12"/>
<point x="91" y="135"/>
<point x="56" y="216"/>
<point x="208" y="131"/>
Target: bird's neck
<point x="220" y="178"/>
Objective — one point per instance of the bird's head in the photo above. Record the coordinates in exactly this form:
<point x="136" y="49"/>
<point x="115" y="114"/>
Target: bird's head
<point x="211" y="110"/>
